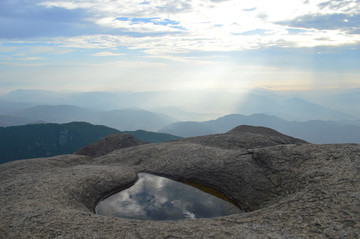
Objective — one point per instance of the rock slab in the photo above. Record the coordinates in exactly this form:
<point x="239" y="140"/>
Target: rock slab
<point x="288" y="188"/>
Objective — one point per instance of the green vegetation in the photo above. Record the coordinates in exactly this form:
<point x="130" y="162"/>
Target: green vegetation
<point x="45" y="140"/>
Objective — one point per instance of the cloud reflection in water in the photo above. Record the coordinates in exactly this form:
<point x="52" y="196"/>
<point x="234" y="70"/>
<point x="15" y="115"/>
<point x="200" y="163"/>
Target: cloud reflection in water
<point x="158" y="198"/>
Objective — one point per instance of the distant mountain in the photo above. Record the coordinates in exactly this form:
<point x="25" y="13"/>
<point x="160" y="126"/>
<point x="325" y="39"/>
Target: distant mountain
<point x="125" y="119"/>
<point x="133" y="119"/>
<point x="103" y="101"/>
<point x="37" y="97"/>
<point x="315" y="131"/>
<point x="8" y="107"/>
<point x="58" y="113"/>
<point x="298" y="106"/>
<point x="184" y="115"/>
<point x="188" y="129"/>
<point x="350" y="122"/>
<point x="348" y="101"/>
<point x="45" y="140"/>
<point x="302" y="110"/>
<point x="9" y="120"/>
<point x="292" y="108"/>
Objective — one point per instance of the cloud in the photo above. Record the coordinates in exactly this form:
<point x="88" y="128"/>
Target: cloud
<point x="151" y="26"/>
<point x="165" y="28"/>
<point x="28" y="19"/>
<point x="326" y="22"/>
<point x="33" y="58"/>
<point x="106" y="53"/>
<point x="340" y="5"/>
<point x="174" y="6"/>
<point x="219" y="0"/>
<point x="249" y="9"/>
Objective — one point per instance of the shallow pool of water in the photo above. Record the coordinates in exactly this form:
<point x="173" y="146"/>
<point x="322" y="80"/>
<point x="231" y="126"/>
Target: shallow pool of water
<point x="158" y="198"/>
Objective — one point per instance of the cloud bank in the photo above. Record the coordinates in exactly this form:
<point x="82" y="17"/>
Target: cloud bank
<point x="167" y="27"/>
<point x="235" y="36"/>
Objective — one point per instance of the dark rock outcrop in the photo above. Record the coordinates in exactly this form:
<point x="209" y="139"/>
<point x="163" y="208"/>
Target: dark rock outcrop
<point x="109" y="144"/>
<point x="290" y="189"/>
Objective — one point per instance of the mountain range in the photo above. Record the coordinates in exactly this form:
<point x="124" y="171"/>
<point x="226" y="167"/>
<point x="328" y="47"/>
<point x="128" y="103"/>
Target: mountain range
<point x="124" y="119"/>
<point x="315" y="131"/>
<point x="317" y="118"/>
<point x="201" y="105"/>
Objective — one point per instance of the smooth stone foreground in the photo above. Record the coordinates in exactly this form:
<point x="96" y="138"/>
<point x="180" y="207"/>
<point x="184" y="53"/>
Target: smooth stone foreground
<point x="290" y="189"/>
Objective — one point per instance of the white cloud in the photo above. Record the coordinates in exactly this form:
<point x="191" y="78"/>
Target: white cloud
<point x="205" y="25"/>
<point x="67" y="4"/>
<point x="31" y="58"/>
<point x="106" y="53"/>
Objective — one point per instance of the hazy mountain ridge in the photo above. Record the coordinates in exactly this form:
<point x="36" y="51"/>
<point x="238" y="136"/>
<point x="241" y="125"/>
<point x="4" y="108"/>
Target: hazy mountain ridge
<point x="125" y="119"/>
<point x="315" y="131"/>
<point x="58" y="113"/>
<point x="9" y="120"/>
<point x="289" y="108"/>
<point x="44" y="140"/>
<point x="133" y="119"/>
<point x="303" y="106"/>
<point x="183" y="115"/>
<point x="311" y="118"/>
<point x="188" y="129"/>
<point x="348" y="101"/>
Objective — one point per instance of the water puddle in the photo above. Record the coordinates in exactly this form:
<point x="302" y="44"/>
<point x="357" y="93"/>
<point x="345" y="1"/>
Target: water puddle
<point x="158" y="198"/>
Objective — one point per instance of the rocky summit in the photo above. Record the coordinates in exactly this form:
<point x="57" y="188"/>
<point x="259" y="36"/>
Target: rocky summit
<point x="288" y="188"/>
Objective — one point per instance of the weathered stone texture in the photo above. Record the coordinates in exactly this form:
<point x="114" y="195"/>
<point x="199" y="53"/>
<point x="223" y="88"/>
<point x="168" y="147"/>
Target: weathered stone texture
<point x="290" y="189"/>
<point x="109" y="144"/>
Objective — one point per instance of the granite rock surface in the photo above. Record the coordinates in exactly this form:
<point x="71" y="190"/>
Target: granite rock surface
<point x="109" y="144"/>
<point x="288" y="188"/>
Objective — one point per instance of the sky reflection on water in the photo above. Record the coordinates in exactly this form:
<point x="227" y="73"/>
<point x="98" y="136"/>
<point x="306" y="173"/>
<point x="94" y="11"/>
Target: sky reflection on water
<point x="157" y="198"/>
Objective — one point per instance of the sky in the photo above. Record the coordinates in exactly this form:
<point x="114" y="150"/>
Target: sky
<point x="160" y="45"/>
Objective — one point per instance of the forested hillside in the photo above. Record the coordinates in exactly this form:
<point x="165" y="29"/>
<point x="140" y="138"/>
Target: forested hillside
<point x="45" y="140"/>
